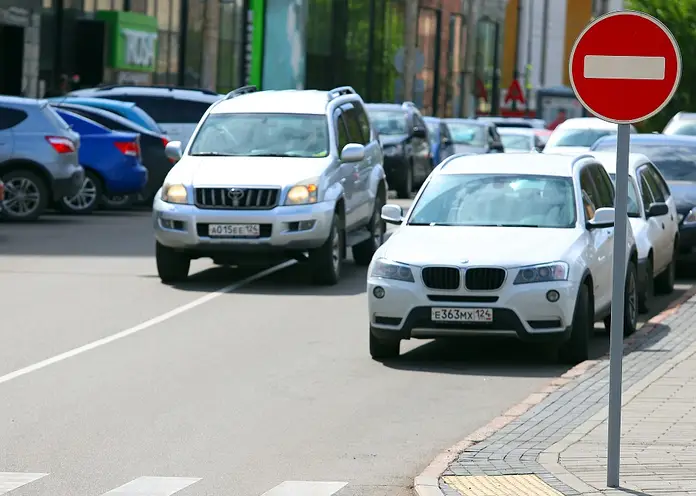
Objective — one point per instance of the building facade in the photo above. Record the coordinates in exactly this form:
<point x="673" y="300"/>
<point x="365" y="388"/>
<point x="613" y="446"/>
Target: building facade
<point x="20" y="23"/>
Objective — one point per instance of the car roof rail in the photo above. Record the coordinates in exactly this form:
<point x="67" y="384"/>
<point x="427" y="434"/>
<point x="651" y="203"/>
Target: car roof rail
<point x="409" y="104"/>
<point x="104" y="87"/>
<point x="341" y="91"/>
<point x="244" y="90"/>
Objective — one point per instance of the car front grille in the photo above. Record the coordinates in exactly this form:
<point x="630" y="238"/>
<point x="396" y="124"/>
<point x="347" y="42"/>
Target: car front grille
<point x="237" y="198"/>
<point x="441" y="277"/>
<point x="484" y="278"/>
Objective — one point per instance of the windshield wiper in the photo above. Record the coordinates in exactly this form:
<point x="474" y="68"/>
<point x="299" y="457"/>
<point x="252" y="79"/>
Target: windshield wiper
<point x="515" y="225"/>
<point x="211" y="154"/>
<point x="274" y="155"/>
<point x="430" y="224"/>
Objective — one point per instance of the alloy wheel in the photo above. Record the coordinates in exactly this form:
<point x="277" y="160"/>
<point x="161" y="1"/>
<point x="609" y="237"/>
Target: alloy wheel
<point x="85" y="198"/>
<point x="22" y="196"/>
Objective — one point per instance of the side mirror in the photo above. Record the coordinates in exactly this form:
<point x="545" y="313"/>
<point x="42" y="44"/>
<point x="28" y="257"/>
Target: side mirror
<point x="173" y="151"/>
<point x="392" y="214"/>
<point x="657" y="209"/>
<point x="604" y="217"/>
<point x="352" y="152"/>
<point x="419" y="132"/>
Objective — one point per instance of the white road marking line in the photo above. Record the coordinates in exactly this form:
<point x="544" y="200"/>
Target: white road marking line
<point x="9" y="481"/>
<point x="145" y="325"/>
<point x="305" y="488"/>
<point x="624" y="67"/>
<point x="153" y="486"/>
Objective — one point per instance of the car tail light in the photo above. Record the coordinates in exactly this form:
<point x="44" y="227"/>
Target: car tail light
<point x="129" y="148"/>
<point x="60" y="144"/>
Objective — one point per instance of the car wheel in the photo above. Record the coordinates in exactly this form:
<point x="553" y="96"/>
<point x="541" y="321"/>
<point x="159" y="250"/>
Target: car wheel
<point x="86" y="200"/>
<point x="26" y="196"/>
<point x="406" y="185"/>
<point x="648" y="289"/>
<point x="363" y="252"/>
<point x="326" y="261"/>
<point x="631" y="300"/>
<point x="664" y="283"/>
<point x="118" y="202"/>
<point x="577" y="348"/>
<point x="381" y="349"/>
<point x="172" y="266"/>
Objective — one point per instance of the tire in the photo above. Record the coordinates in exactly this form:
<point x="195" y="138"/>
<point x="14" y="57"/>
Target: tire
<point x="172" y="266"/>
<point x="630" y="316"/>
<point x="326" y="261"/>
<point x="33" y="196"/>
<point x="405" y="187"/>
<point x="86" y="200"/>
<point x="118" y="202"/>
<point x="363" y="252"/>
<point x="664" y="283"/>
<point x="648" y="291"/>
<point x="381" y="349"/>
<point x="577" y="348"/>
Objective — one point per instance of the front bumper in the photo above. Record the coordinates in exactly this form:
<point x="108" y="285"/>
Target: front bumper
<point x="68" y="186"/>
<point x="185" y="227"/>
<point x="523" y="311"/>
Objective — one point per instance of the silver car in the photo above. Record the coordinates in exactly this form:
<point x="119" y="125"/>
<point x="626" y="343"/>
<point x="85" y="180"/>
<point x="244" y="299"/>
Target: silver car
<point x="270" y="176"/>
<point x="38" y="158"/>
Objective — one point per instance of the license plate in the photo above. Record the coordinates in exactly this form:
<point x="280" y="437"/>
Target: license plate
<point x="461" y="314"/>
<point x="234" y="230"/>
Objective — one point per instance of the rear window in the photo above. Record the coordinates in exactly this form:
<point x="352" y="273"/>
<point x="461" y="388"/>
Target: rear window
<point x="683" y="128"/>
<point x="513" y="124"/>
<point x="10" y="117"/>
<point x="53" y="117"/>
<point x="676" y="162"/>
<point x="577" y="137"/>
<point x="147" y="120"/>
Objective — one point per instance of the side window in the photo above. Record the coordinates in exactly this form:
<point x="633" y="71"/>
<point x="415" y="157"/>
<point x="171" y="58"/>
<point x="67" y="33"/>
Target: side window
<point x="658" y="182"/>
<point x="342" y="138"/>
<point x="589" y="195"/>
<point x="350" y="118"/>
<point x="364" y="122"/>
<point x="605" y="190"/>
<point x="189" y="111"/>
<point x="161" y="109"/>
<point x="645" y="192"/>
<point x="9" y="117"/>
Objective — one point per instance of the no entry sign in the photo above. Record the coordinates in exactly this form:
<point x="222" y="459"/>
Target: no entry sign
<point x="625" y="66"/>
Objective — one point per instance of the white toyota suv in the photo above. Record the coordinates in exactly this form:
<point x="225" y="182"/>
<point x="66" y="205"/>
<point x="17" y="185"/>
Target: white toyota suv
<point x="518" y="244"/>
<point x="270" y="176"/>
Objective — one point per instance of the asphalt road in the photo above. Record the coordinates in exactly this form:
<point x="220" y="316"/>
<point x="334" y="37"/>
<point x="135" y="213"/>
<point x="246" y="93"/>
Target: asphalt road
<point x="111" y="381"/>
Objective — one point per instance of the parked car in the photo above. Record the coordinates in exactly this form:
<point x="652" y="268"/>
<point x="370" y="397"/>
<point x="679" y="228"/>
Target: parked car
<point x="152" y="148"/>
<point x="404" y="138"/>
<point x="520" y="140"/>
<point x="450" y="268"/>
<point x="38" y="157"/>
<point x="441" y="145"/>
<point x="474" y="136"/>
<point x="112" y="164"/>
<point x="127" y="110"/>
<point x="675" y="159"/>
<point x="176" y="110"/>
<point x="654" y="224"/>
<point x="517" y="122"/>
<point x="579" y="134"/>
<point x="273" y="175"/>
<point x="682" y="124"/>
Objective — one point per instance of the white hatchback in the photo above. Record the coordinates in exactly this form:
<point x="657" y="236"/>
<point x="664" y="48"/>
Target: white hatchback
<point x="654" y="223"/>
<point x="513" y="244"/>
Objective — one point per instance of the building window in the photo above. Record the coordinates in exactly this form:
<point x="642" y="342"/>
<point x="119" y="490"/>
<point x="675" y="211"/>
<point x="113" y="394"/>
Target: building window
<point x="428" y="36"/>
<point x="229" y="45"/>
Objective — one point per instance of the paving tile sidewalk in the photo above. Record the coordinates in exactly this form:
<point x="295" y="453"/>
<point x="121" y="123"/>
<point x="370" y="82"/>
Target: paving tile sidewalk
<point x="556" y="444"/>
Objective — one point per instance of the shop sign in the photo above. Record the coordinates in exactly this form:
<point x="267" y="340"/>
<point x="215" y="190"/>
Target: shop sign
<point x="132" y="40"/>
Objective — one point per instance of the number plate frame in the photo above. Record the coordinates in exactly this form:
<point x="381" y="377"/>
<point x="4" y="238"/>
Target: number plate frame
<point x="454" y="315"/>
<point x="244" y="231"/>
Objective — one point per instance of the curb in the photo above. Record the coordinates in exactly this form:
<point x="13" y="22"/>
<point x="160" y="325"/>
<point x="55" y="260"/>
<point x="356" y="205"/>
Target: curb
<point x="428" y="482"/>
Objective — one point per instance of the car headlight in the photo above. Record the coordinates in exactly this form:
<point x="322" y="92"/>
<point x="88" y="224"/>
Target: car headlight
<point x="391" y="151"/>
<point x="302" y="194"/>
<point x="174" y="193"/>
<point x="689" y="219"/>
<point x="391" y="270"/>
<point x="556" y="271"/>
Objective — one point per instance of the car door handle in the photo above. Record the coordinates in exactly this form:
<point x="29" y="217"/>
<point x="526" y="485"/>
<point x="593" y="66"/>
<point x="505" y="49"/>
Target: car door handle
<point x="663" y="225"/>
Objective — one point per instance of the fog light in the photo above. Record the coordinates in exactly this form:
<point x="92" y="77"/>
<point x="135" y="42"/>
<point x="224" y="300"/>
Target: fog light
<point x="378" y="292"/>
<point x="306" y="225"/>
<point x="553" y="296"/>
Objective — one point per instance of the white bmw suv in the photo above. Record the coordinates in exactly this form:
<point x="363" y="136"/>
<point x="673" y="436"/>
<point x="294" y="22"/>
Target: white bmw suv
<point x="517" y="244"/>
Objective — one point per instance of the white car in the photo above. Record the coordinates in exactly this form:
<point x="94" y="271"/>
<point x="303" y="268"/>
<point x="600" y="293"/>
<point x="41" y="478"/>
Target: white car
<point x="516" y="244"/>
<point x="579" y="134"/>
<point x="655" y="225"/>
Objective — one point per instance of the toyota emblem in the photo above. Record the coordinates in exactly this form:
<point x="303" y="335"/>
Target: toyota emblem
<point x="235" y="194"/>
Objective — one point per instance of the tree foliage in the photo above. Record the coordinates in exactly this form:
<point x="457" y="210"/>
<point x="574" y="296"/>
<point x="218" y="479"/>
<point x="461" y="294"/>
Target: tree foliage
<point x="680" y="17"/>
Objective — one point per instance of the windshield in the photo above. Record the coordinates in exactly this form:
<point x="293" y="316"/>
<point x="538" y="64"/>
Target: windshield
<point x="517" y="142"/>
<point x="683" y="128"/>
<point x="633" y="206"/>
<point x="676" y="162"/>
<point x="577" y="137"/>
<point x="263" y="135"/>
<point x="389" y="121"/>
<point x="467" y="134"/>
<point x="496" y="200"/>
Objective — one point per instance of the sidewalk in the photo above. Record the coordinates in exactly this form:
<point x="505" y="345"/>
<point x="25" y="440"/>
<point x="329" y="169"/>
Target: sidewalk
<point x="555" y="442"/>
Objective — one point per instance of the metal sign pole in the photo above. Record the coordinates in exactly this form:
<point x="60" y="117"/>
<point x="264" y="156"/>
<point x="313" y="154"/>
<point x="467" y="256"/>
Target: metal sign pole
<point x="617" y="305"/>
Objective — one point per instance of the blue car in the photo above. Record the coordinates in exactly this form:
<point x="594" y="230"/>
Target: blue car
<point x="441" y="144"/>
<point x="127" y="110"/>
<point x="112" y="164"/>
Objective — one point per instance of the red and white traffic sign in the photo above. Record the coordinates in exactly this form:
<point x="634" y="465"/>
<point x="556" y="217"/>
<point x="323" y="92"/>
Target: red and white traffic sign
<point x="625" y="66"/>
